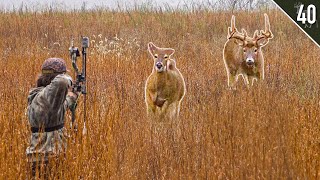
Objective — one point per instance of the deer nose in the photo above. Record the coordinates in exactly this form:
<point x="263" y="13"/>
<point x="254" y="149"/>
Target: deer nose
<point x="159" y="65"/>
<point x="250" y="61"/>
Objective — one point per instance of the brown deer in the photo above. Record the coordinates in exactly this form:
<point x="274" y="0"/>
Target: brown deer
<point x="165" y="87"/>
<point x="242" y="54"/>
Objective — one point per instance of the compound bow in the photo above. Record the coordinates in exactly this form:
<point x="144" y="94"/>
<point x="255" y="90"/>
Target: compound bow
<point x="80" y="84"/>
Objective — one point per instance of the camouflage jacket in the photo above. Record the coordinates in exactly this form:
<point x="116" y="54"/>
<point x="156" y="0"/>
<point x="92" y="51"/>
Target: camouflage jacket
<point x="46" y="109"/>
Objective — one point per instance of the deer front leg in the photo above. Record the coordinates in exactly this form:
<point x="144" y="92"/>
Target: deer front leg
<point x="163" y="111"/>
<point x="178" y="109"/>
<point x="252" y="79"/>
<point x="260" y="76"/>
<point x="175" y="126"/>
<point x="246" y="79"/>
<point x="232" y="79"/>
<point x="172" y="111"/>
<point x="151" y="107"/>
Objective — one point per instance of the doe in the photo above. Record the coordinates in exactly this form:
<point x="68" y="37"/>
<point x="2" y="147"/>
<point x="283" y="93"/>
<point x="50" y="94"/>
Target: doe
<point x="165" y="87"/>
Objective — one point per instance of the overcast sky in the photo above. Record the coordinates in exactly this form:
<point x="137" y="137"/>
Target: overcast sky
<point x="35" y="5"/>
<point x="76" y="4"/>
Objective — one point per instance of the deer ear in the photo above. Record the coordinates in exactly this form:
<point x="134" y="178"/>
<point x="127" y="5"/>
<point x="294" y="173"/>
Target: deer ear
<point x="169" y="51"/>
<point x="152" y="48"/>
<point x="239" y="42"/>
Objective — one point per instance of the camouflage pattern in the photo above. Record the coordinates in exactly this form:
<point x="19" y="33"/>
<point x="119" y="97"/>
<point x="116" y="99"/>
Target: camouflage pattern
<point x="47" y="107"/>
<point x="45" y="145"/>
<point x="54" y="65"/>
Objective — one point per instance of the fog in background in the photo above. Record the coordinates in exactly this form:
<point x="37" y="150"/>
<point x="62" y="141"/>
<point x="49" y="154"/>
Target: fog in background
<point x="38" y="5"/>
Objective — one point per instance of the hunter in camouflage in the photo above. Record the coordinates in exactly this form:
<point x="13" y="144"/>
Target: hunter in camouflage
<point x="47" y="105"/>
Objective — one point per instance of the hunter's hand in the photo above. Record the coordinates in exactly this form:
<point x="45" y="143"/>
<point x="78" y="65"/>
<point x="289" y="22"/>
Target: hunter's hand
<point x="72" y="93"/>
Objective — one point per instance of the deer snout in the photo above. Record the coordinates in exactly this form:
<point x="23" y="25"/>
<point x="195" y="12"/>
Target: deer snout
<point x="250" y="61"/>
<point x="159" y="66"/>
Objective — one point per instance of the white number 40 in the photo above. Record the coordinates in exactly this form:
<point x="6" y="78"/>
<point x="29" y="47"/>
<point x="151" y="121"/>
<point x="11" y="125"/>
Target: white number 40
<point x="311" y="14"/>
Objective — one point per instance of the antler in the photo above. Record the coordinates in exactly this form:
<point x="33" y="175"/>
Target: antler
<point x="234" y="33"/>
<point x="266" y="34"/>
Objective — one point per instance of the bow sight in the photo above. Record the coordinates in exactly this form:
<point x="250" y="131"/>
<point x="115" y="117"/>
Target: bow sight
<point x="80" y="85"/>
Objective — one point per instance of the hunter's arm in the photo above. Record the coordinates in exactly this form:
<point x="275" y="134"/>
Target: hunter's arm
<point x="57" y="90"/>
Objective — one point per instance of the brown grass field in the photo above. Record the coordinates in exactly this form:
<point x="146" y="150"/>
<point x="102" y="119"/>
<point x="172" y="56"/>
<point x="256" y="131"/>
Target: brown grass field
<point x="269" y="131"/>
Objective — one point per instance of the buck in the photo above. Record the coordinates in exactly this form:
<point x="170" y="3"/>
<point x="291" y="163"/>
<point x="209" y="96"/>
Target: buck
<point x="242" y="54"/>
<point x="165" y="87"/>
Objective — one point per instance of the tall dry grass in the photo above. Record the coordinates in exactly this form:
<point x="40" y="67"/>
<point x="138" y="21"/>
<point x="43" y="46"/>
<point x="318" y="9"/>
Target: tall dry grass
<point x="270" y="131"/>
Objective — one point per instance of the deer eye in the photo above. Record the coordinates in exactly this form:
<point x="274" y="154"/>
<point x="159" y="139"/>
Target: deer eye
<point x="244" y="50"/>
<point x="156" y="56"/>
<point x="255" y="50"/>
<point x="165" y="56"/>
